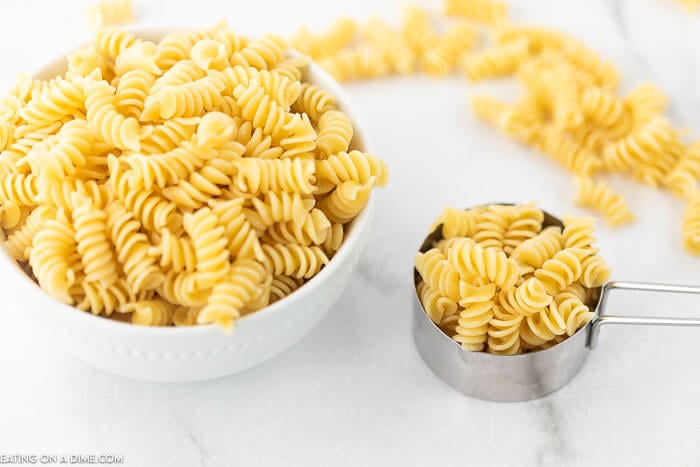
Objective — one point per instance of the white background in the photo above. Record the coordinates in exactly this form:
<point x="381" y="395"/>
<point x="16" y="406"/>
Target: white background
<point x="355" y="391"/>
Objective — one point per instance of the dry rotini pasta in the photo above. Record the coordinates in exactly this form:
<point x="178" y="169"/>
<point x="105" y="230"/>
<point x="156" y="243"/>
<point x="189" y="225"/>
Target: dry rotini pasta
<point x="176" y="182"/>
<point x="111" y="12"/>
<point x="498" y="61"/>
<point x="575" y="115"/>
<point x="599" y="196"/>
<point x="489" y="11"/>
<point x="509" y="302"/>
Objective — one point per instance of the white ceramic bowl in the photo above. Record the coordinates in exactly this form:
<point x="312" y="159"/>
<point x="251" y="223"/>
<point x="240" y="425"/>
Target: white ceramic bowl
<point x="199" y="352"/>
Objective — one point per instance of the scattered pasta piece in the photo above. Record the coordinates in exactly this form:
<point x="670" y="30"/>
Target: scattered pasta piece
<point x="600" y="197"/>
<point x="111" y="13"/>
<point x="510" y="301"/>
<point x="691" y="5"/>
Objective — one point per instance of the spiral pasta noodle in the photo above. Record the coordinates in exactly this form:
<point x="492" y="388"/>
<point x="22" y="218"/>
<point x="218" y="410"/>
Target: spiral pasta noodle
<point x="346" y="201"/>
<point x="150" y="312"/>
<point x="562" y="270"/>
<point x="353" y="166"/>
<point x="481" y="10"/>
<point x="263" y="176"/>
<point x="504" y="332"/>
<point x="472" y="261"/>
<point x="339" y="35"/>
<point x="392" y="44"/>
<point x="418" y="30"/>
<point x="443" y="57"/>
<point x="361" y="62"/>
<point x="439" y="274"/>
<point x="456" y="223"/>
<point x="111" y="12"/>
<point x="472" y="326"/>
<point x="91" y="235"/>
<point x="293" y="260"/>
<point x="263" y="53"/>
<point x="282" y="286"/>
<point x="51" y="258"/>
<point x="334" y="133"/>
<point x="102" y="115"/>
<point x="500" y="60"/>
<point x="133" y="249"/>
<point x="599" y="196"/>
<point x="230" y="297"/>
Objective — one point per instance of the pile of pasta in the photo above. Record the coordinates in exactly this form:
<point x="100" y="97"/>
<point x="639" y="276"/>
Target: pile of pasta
<point x="499" y="282"/>
<point x="189" y="181"/>
<point x="570" y="110"/>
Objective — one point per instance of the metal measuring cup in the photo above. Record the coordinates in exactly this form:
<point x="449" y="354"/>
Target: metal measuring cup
<point x="510" y="378"/>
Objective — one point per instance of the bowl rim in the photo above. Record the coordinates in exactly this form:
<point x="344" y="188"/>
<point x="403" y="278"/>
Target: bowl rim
<point x="353" y="233"/>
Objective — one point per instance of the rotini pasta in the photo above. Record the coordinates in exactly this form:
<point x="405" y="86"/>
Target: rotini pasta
<point x="361" y="62"/>
<point x="53" y="248"/>
<point x="156" y="312"/>
<point x="293" y="260"/>
<point x="473" y="323"/>
<point x="334" y="133"/>
<point x="93" y="245"/>
<point x="442" y="59"/>
<point x="562" y="270"/>
<point x="498" y="61"/>
<point x="353" y="166"/>
<point x="111" y="12"/>
<point x="229" y="297"/>
<point x="175" y="182"/>
<point x="490" y="300"/>
<point x="599" y="196"/>
<point x="480" y="10"/>
<point x="346" y="201"/>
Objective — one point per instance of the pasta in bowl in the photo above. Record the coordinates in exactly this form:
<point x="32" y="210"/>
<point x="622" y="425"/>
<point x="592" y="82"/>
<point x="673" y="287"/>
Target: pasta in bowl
<point x="195" y="179"/>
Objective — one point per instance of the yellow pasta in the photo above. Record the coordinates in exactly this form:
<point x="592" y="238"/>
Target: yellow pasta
<point x="396" y="50"/>
<point x="472" y="325"/>
<point x="442" y="58"/>
<point x="418" y="30"/>
<point x="229" y="297"/>
<point x="361" y="62"/>
<point x="497" y="61"/>
<point x="508" y="302"/>
<point x="489" y="11"/>
<point x="111" y="12"/>
<point x="599" y="196"/>
<point x="334" y="133"/>
<point x="94" y="247"/>
<point x="51" y="257"/>
<point x="353" y="166"/>
<point x="346" y="201"/>
<point x="151" y="177"/>
<point x="150" y="312"/>
<point x="340" y="34"/>
<point x="504" y="332"/>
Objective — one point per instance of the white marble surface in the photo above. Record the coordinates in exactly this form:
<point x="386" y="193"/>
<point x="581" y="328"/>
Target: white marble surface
<point x="355" y="391"/>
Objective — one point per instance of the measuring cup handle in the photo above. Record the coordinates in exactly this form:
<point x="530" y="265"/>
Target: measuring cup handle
<point x="604" y="319"/>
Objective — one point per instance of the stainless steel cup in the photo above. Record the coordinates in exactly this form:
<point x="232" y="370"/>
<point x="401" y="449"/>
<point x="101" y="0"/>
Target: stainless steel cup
<point x="510" y="378"/>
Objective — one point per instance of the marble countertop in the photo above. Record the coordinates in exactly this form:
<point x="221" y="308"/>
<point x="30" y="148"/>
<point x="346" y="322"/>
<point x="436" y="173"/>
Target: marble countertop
<point x="355" y="391"/>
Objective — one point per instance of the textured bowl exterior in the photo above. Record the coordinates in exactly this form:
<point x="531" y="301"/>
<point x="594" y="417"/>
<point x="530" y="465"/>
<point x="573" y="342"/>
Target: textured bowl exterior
<point x="199" y="352"/>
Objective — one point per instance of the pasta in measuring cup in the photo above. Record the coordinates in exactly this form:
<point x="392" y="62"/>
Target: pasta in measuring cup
<point x="509" y="302"/>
